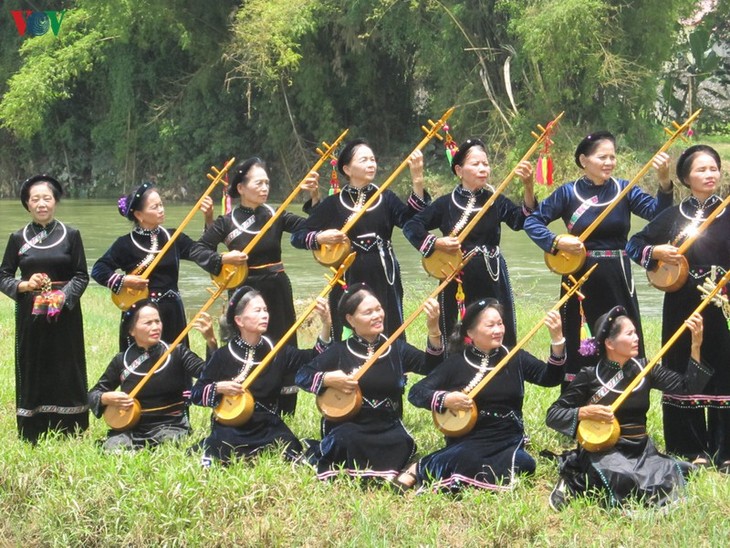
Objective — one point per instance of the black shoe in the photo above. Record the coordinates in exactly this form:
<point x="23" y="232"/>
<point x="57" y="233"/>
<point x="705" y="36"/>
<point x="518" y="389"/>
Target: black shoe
<point x="560" y="496"/>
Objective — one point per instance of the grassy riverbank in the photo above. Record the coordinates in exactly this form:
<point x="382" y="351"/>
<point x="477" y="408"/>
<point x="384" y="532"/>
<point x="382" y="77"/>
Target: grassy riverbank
<point x="65" y="492"/>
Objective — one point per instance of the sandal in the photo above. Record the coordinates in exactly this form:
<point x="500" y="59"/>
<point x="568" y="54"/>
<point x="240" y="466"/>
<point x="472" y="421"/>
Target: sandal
<point x="724" y="467"/>
<point x="702" y="462"/>
<point x="401" y="486"/>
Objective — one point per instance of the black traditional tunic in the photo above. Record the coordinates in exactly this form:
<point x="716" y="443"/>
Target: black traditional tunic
<point x="578" y="203"/>
<point x="140" y="247"/>
<point x="375" y="264"/>
<point x="375" y="443"/>
<point x="265" y="428"/>
<point x="266" y="271"/>
<point x="163" y="398"/>
<point x="687" y="431"/>
<point x="493" y="453"/>
<point x="486" y="275"/>
<point x="633" y="467"/>
<point x="50" y="360"/>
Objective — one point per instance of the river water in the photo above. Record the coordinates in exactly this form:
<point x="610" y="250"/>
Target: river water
<point x="100" y="224"/>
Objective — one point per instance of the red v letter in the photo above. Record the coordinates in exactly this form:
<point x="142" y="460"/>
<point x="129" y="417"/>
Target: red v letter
<point x="20" y="17"/>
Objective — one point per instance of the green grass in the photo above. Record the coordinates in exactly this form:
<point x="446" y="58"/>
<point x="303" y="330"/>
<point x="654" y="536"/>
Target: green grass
<point x="65" y="492"/>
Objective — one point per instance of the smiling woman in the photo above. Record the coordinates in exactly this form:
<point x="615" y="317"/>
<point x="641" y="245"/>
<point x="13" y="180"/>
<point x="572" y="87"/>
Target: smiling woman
<point x="162" y="401"/>
<point x="48" y="319"/>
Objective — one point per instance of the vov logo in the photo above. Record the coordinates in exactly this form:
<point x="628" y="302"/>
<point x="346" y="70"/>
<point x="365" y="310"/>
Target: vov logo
<point x="37" y="23"/>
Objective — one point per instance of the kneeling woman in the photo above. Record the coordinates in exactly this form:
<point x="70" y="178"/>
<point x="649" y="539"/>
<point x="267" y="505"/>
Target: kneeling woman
<point x="493" y="453"/>
<point x="633" y="467"/>
<point x="237" y="360"/>
<point x="374" y="443"/>
<point x="163" y="398"/>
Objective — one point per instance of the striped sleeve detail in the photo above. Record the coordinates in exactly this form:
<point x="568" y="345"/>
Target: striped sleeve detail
<point x="317" y="382"/>
<point x="310" y="242"/>
<point x="557" y="360"/>
<point x="527" y="210"/>
<point x="646" y="256"/>
<point x="427" y="246"/>
<point x="436" y="351"/>
<point x="210" y="393"/>
<point x="115" y="282"/>
<point x="416" y="202"/>
<point x="437" y="401"/>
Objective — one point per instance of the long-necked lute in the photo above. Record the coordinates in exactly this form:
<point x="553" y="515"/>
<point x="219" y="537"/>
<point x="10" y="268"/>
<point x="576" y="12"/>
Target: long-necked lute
<point x="459" y="423"/>
<point x="334" y="254"/>
<point x="242" y="270"/>
<point x="335" y="405"/>
<point x="237" y="410"/>
<point x="672" y="277"/>
<point x="122" y="419"/>
<point x="564" y="262"/>
<point x="127" y="296"/>
<point x="598" y="436"/>
<point x="441" y="262"/>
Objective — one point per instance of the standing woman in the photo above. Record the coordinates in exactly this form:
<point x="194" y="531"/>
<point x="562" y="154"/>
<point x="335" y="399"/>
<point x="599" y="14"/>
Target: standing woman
<point x="493" y="454"/>
<point x="633" y="468"/>
<point x="163" y="397"/>
<point x="133" y="252"/>
<point x="485" y="276"/>
<point x="50" y="361"/>
<point x="375" y="264"/>
<point x="697" y="426"/>
<point x="247" y="311"/>
<point x="374" y="443"/>
<point x="578" y="203"/>
<point x="250" y="185"/>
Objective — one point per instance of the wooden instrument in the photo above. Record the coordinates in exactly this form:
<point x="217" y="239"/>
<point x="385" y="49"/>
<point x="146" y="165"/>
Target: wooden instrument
<point x="333" y="254"/>
<point x="122" y="419"/>
<point x="671" y="277"/>
<point x="459" y="423"/>
<point x="599" y="436"/>
<point x="242" y="270"/>
<point x="564" y="262"/>
<point x="237" y="410"/>
<point x="335" y="405"/>
<point x="440" y="262"/>
<point x="126" y="296"/>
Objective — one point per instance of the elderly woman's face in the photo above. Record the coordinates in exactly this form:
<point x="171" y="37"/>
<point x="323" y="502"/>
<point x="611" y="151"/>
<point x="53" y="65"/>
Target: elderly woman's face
<point x="255" y="190"/>
<point x="704" y="175"/>
<point x="487" y="332"/>
<point x="625" y="344"/>
<point x="362" y="167"/>
<point x="41" y="203"/>
<point x="254" y="318"/>
<point x="152" y="213"/>
<point x="600" y="163"/>
<point x="147" y="329"/>
<point x="475" y="171"/>
<point x="367" y="320"/>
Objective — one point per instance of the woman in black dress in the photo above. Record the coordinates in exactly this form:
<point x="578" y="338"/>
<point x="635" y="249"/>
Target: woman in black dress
<point x="50" y="360"/>
<point x="696" y="426"/>
<point x="250" y="185"/>
<point x="163" y="398"/>
<point x="493" y="454"/>
<point x="578" y="203"/>
<point x="374" y="443"/>
<point x="133" y="252"/>
<point x="375" y="263"/>
<point x="248" y="311"/>
<point x="633" y="468"/>
<point x="486" y="275"/>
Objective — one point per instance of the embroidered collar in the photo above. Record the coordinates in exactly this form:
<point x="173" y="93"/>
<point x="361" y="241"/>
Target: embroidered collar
<point x="461" y="191"/>
<point x="50" y="227"/>
<point x="709" y="202"/>
<point x="355" y="192"/>
<point x="241" y="343"/>
<point x="146" y="231"/>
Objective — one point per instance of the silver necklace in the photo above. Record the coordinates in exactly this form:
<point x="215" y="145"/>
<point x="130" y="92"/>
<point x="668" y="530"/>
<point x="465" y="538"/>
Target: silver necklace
<point x="35" y="245"/>
<point x="587" y="201"/>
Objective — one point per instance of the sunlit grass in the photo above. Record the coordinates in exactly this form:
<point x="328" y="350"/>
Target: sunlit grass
<point x="65" y="492"/>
